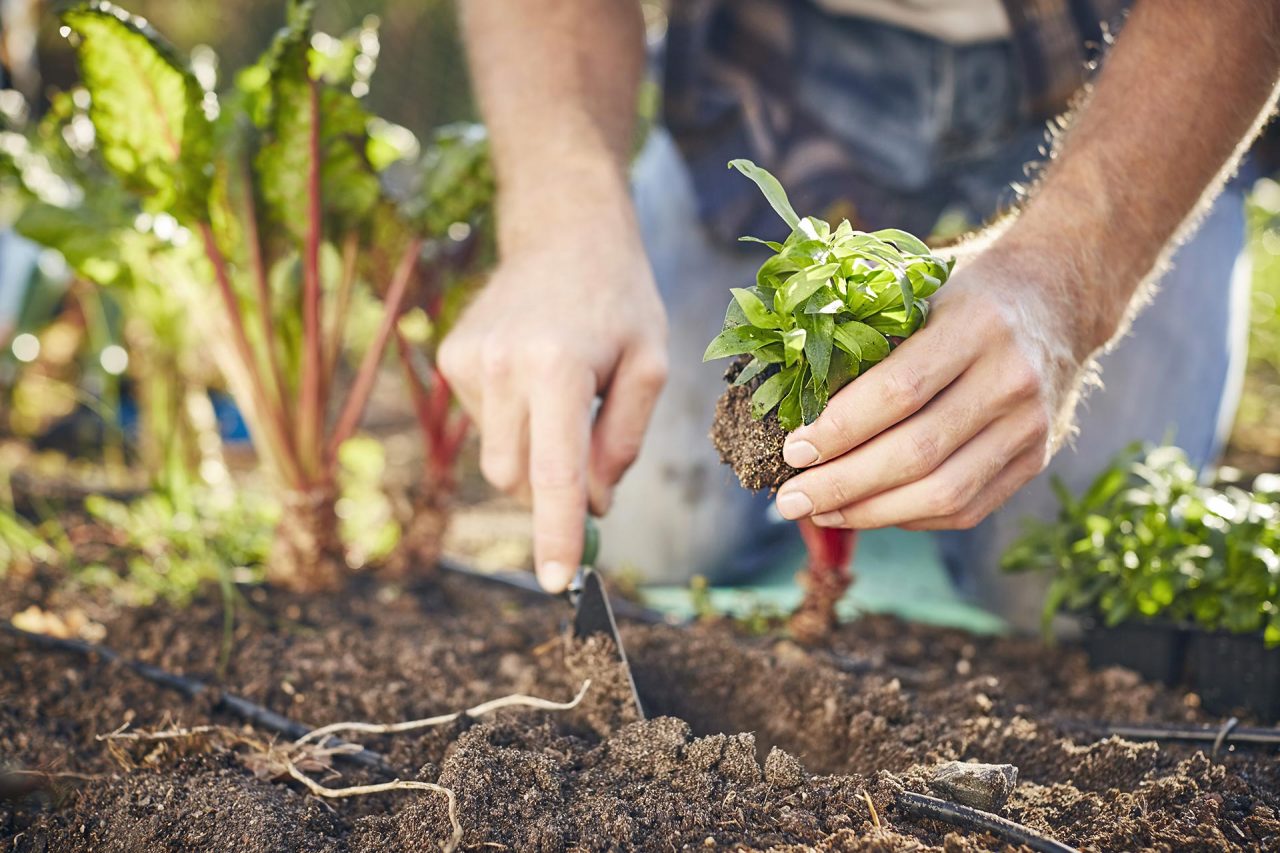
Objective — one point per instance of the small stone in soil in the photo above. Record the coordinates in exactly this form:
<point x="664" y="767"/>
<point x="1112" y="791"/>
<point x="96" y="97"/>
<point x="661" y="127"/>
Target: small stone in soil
<point x="982" y="786"/>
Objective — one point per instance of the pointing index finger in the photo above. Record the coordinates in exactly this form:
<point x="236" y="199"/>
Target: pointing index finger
<point x="558" y="447"/>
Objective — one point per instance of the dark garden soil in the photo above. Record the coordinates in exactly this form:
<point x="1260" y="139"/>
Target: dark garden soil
<point x="761" y="744"/>
<point x="753" y="448"/>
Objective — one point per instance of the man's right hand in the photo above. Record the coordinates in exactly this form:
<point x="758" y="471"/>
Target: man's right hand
<point x="570" y="314"/>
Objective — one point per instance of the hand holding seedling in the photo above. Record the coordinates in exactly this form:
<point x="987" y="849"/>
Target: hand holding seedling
<point x="958" y="419"/>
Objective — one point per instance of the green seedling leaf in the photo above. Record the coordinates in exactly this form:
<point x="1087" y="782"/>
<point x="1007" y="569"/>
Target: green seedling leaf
<point x="809" y="405"/>
<point x="771" y="392"/>
<point x="772" y="244"/>
<point x="772" y="190"/>
<point x="904" y="241"/>
<point x="861" y="341"/>
<point x="793" y="345"/>
<point x="753" y="369"/>
<point x="739" y="340"/>
<point x="818" y="341"/>
<point x="789" y="412"/>
<point x="802" y="285"/>
<point x="755" y="311"/>
<point x="828" y="297"/>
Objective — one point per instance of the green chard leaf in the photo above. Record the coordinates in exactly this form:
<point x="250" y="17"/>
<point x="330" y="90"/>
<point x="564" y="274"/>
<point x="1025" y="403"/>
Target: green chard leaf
<point x="146" y="109"/>
<point x="303" y="107"/>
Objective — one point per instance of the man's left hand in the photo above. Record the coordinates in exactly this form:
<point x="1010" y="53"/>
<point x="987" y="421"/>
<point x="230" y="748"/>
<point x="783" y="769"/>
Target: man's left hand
<point x="957" y="418"/>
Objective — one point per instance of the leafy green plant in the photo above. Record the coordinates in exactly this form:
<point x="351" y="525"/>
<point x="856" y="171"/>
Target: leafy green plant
<point x="1146" y="540"/>
<point x="276" y="195"/>
<point x="829" y="304"/>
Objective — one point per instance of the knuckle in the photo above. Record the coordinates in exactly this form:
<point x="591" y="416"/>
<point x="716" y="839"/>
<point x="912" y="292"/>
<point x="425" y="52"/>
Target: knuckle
<point x="967" y="519"/>
<point x="499" y="471"/>
<point x="452" y="359"/>
<point x="548" y="353"/>
<point x="651" y="370"/>
<point x="1023" y="380"/>
<point x="950" y="496"/>
<point x="837" y="432"/>
<point x="497" y="359"/>
<point x="1038" y="426"/>
<point x="551" y="476"/>
<point x="904" y="388"/>
<point x="838" y="493"/>
<point x="924" y="454"/>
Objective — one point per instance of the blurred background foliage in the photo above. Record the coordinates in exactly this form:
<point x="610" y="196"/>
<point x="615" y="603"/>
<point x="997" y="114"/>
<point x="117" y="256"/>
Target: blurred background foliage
<point x="428" y="88"/>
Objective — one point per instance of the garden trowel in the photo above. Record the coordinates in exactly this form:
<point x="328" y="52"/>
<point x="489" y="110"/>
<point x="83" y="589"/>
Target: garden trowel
<point x="592" y="615"/>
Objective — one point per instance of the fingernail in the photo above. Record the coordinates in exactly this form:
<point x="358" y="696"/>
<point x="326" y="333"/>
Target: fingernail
<point x="828" y="519"/>
<point x="554" y="576"/>
<point x="799" y="453"/>
<point x="794" y="504"/>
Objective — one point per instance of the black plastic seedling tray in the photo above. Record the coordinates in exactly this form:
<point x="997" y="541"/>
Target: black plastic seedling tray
<point x="1155" y="650"/>
<point x="1230" y="672"/>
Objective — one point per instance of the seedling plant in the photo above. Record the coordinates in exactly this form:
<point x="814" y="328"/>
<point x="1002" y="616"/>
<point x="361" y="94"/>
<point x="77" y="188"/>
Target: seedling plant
<point x="1148" y="541"/>
<point x="828" y="305"/>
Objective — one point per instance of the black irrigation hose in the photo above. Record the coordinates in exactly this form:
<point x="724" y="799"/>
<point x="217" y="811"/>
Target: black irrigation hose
<point x="1230" y="733"/>
<point x="230" y="703"/>
<point x="976" y="820"/>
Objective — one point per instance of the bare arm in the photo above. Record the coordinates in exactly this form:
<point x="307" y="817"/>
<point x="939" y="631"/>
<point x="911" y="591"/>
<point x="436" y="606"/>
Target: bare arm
<point x="571" y="313"/>
<point x="977" y="401"/>
<point x="557" y="83"/>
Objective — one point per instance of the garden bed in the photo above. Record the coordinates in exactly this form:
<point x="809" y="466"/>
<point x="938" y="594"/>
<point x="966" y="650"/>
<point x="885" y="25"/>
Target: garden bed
<point x="871" y="717"/>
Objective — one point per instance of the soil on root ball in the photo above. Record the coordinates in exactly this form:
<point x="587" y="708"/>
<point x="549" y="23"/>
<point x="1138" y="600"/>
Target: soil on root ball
<point x="874" y="715"/>
<point x="753" y="448"/>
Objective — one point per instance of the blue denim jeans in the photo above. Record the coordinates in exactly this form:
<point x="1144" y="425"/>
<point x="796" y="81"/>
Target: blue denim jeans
<point x="949" y="140"/>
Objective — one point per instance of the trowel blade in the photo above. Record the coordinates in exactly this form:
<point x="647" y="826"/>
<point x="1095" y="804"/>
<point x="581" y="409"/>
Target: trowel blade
<point x="593" y="616"/>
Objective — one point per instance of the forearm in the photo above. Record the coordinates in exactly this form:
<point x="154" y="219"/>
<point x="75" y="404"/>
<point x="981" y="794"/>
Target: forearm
<point x="556" y="82"/>
<point x="1185" y="89"/>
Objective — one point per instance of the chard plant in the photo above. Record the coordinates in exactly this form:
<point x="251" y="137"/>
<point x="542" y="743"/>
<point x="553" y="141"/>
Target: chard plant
<point x="277" y="189"/>
<point x="829" y="304"/>
<point x="1147" y="540"/>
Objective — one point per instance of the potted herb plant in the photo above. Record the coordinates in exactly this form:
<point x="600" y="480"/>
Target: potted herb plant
<point x="829" y="304"/>
<point x="1177" y="580"/>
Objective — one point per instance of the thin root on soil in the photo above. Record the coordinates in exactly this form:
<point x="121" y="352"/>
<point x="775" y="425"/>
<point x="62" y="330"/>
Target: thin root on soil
<point x="269" y="760"/>
<point x="517" y="700"/>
